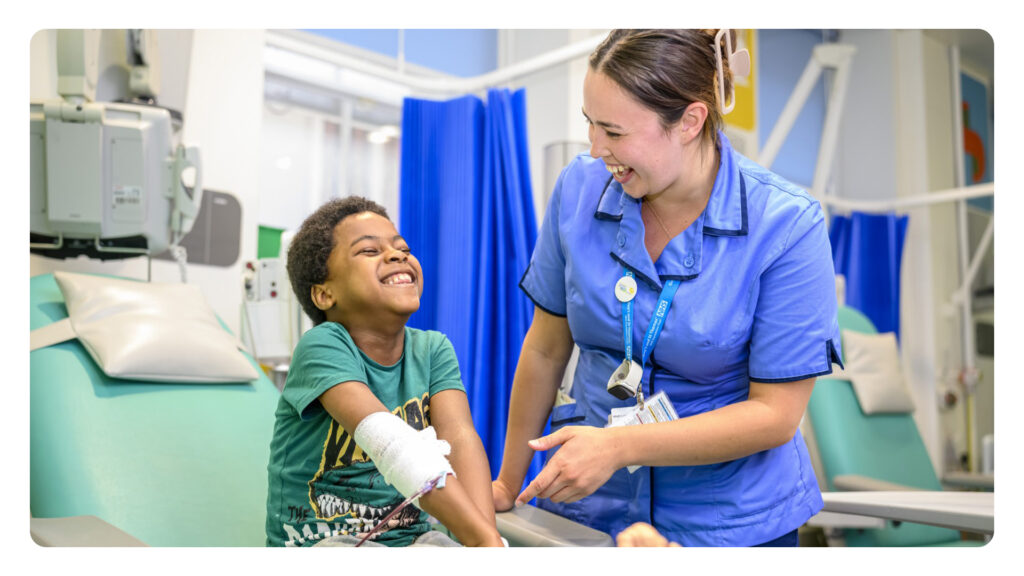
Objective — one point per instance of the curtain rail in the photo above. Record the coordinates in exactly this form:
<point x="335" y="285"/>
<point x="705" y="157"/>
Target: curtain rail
<point x="437" y="85"/>
<point x="950" y="195"/>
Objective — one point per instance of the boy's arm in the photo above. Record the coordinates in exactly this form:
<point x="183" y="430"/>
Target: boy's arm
<point x="349" y="403"/>
<point x="450" y="416"/>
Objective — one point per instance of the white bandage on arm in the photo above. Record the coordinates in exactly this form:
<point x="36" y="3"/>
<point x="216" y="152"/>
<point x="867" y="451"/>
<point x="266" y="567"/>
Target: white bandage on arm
<point x="407" y="458"/>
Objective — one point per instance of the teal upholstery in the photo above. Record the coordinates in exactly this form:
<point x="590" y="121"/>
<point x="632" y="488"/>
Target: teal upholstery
<point x="170" y="464"/>
<point x="882" y="446"/>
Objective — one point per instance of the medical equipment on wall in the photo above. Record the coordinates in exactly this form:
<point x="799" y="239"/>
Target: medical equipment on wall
<point x="109" y="179"/>
<point x="271" y="328"/>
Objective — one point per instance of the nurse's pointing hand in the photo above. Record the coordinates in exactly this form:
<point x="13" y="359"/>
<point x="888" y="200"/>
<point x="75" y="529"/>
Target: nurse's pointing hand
<point x="587" y="457"/>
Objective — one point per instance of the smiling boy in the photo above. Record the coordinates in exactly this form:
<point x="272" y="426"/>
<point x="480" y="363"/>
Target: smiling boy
<point x="358" y="367"/>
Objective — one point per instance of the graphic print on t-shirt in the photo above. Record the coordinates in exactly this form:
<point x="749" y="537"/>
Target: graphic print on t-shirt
<point x="332" y="490"/>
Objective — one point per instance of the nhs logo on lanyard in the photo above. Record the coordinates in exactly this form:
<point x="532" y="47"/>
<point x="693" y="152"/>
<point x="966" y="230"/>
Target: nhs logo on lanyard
<point x="625" y="381"/>
<point x="662" y="308"/>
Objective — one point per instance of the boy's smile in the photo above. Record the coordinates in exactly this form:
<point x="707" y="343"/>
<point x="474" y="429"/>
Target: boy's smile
<point x="371" y="273"/>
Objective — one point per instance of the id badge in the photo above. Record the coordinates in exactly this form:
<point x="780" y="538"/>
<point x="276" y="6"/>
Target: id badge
<point x="657" y="408"/>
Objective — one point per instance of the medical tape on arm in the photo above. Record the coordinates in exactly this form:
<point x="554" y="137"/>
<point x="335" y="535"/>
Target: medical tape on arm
<point x="408" y="459"/>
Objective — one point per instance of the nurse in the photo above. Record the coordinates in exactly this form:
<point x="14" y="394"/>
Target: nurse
<point x="677" y="266"/>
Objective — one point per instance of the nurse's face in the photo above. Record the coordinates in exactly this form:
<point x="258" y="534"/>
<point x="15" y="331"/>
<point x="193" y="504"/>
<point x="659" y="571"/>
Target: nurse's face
<point x="628" y="136"/>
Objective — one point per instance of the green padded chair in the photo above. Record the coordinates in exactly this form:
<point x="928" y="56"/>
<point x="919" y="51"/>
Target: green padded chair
<point x="127" y="463"/>
<point x="885" y="448"/>
<point x="167" y="464"/>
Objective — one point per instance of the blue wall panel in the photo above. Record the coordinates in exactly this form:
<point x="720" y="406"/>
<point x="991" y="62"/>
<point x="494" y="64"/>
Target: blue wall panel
<point x="783" y="56"/>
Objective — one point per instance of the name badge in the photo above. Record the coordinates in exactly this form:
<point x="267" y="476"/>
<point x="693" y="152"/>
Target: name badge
<point x="657" y="408"/>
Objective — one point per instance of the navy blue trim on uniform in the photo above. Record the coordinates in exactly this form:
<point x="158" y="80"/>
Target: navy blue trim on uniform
<point x="743" y="215"/>
<point x="530" y="296"/>
<point x="568" y="420"/>
<point x="790" y="540"/>
<point x="604" y="215"/>
<point x="638" y="274"/>
<point x="680" y="278"/>
<point x="833" y="355"/>
<point x="830" y="357"/>
<point x="650" y="469"/>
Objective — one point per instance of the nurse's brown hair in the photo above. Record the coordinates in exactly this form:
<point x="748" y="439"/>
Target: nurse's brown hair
<point x="666" y="71"/>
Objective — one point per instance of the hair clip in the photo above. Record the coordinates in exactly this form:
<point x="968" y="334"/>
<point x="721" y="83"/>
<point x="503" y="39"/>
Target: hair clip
<point x="739" y="63"/>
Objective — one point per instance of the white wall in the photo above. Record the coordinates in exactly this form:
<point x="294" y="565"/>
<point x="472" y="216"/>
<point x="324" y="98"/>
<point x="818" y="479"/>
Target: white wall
<point x="289" y="193"/>
<point x="865" y="156"/>
<point x="918" y="291"/>
<point x="882" y="154"/>
<point x="42" y="55"/>
<point x="554" y="97"/>
<point x="944" y="256"/>
<point x="224" y="115"/>
<point x="223" y="73"/>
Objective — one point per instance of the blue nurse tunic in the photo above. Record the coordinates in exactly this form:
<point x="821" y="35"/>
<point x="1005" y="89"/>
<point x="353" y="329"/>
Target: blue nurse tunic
<point x="756" y="301"/>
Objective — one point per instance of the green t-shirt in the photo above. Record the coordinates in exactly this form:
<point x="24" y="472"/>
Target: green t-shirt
<point x="320" y="482"/>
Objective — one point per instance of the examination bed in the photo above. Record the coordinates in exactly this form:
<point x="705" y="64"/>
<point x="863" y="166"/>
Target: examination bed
<point x="874" y="461"/>
<point x="126" y="462"/>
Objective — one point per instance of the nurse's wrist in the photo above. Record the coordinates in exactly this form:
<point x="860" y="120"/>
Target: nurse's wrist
<point x="618" y="448"/>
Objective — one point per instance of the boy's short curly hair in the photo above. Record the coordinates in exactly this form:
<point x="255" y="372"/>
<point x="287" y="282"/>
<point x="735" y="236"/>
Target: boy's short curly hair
<point x="312" y="245"/>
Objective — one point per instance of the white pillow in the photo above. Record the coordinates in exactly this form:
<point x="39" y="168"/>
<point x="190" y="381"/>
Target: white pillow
<point x="152" y="331"/>
<point x="873" y="368"/>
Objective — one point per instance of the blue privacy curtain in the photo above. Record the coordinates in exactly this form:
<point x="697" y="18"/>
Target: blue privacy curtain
<point x="466" y="209"/>
<point x="867" y="250"/>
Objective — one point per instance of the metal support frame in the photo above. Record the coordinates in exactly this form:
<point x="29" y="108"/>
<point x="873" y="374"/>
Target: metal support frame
<point x="968" y="373"/>
<point x="838" y="57"/>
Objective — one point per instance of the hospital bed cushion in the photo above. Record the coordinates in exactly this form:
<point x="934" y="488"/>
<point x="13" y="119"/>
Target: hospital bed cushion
<point x="170" y="464"/>
<point x="872" y="365"/>
<point x="148" y="331"/>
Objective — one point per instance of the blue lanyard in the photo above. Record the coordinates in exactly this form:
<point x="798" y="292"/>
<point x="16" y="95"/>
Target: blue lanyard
<point x="657" y="322"/>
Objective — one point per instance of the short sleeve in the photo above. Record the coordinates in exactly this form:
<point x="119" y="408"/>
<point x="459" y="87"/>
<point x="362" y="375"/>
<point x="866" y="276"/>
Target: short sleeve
<point x="444" y="367"/>
<point x="795" y="332"/>
<point x="544" y="279"/>
<point x="325" y="357"/>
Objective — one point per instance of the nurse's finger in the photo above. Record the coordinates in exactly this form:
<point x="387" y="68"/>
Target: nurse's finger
<point x="572" y="493"/>
<point x="564" y="493"/>
<point x="551" y="440"/>
<point x="556" y="485"/>
<point x="546" y="477"/>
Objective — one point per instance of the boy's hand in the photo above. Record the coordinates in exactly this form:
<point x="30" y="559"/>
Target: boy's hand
<point x="504" y="496"/>
<point x="452" y="506"/>
<point x="642" y="534"/>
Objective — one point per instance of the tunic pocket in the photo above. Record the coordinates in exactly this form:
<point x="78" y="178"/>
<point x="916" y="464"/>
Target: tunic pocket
<point x="565" y="415"/>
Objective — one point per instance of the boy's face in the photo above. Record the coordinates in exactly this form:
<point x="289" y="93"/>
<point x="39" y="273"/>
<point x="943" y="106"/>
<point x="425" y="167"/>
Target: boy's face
<point x="370" y="271"/>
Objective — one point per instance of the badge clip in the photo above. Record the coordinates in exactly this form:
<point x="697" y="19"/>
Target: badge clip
<point x="625" y="381"/>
